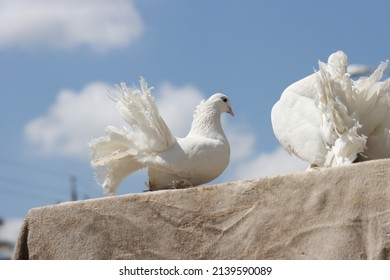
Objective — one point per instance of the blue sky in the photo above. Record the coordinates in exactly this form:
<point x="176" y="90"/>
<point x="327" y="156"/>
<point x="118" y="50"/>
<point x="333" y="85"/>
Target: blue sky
<point x="59" y="59"/>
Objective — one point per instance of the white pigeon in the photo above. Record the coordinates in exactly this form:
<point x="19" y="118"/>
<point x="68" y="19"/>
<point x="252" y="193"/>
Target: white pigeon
<point x="172" y="162"/>
<point x="328" y="119"/>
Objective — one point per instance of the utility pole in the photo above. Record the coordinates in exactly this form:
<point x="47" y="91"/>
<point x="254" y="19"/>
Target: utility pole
<point x="73" y="188"/>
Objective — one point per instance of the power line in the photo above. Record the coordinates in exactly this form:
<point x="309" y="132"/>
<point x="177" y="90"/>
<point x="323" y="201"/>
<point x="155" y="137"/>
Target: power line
<point x="43" y="170"/>
<point x="32" y="195"/>
<point x="24" y="185"/>
<point x="33" y="167"/>
<point x="21" y="187"/>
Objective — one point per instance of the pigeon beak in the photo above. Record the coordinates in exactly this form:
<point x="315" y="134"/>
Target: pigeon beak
<point x="230" y="111"/>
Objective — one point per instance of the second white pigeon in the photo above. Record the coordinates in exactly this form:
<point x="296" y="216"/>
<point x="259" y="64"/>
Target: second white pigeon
<point x="172" y="162"/>
<point x="329" y="119"/>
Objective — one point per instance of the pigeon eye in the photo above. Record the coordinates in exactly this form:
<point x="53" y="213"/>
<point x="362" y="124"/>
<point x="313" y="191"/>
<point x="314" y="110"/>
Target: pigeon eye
<point x="224" y="99"/>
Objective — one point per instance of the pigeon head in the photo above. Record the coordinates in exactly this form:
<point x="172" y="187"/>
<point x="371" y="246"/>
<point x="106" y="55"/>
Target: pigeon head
<point x="221" y="102"/>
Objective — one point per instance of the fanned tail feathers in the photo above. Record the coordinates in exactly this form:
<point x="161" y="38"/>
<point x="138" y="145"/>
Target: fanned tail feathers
<point x="347" y="109"/>
<point x="114" y="157"/>
<point x="138" y="108"/>
<point x="339" y="126"/>
<point x="119" y="153"/>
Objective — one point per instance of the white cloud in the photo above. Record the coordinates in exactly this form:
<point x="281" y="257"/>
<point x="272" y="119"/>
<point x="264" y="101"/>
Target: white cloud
<point x="358" y="70"/>
<point x="60" y="24"/>
<point x="173" y="102"/>
<point x="73" y="120"/>
<point x="278" y="162"/>
<point x="9" y="231"/>
<point x="240" y="139"/>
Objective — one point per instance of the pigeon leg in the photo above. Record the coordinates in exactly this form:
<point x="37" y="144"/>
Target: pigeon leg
<point x="181" y="184"/>
<point x="313" y="167"/>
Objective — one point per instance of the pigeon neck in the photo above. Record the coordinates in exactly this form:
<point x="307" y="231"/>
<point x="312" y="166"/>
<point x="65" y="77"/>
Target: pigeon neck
<point x="207" y="122"/>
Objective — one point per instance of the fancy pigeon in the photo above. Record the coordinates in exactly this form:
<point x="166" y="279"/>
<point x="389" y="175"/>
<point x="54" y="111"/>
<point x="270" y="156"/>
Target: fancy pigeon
<point x="172" y="162"/>
<point x="328" y="119"/>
